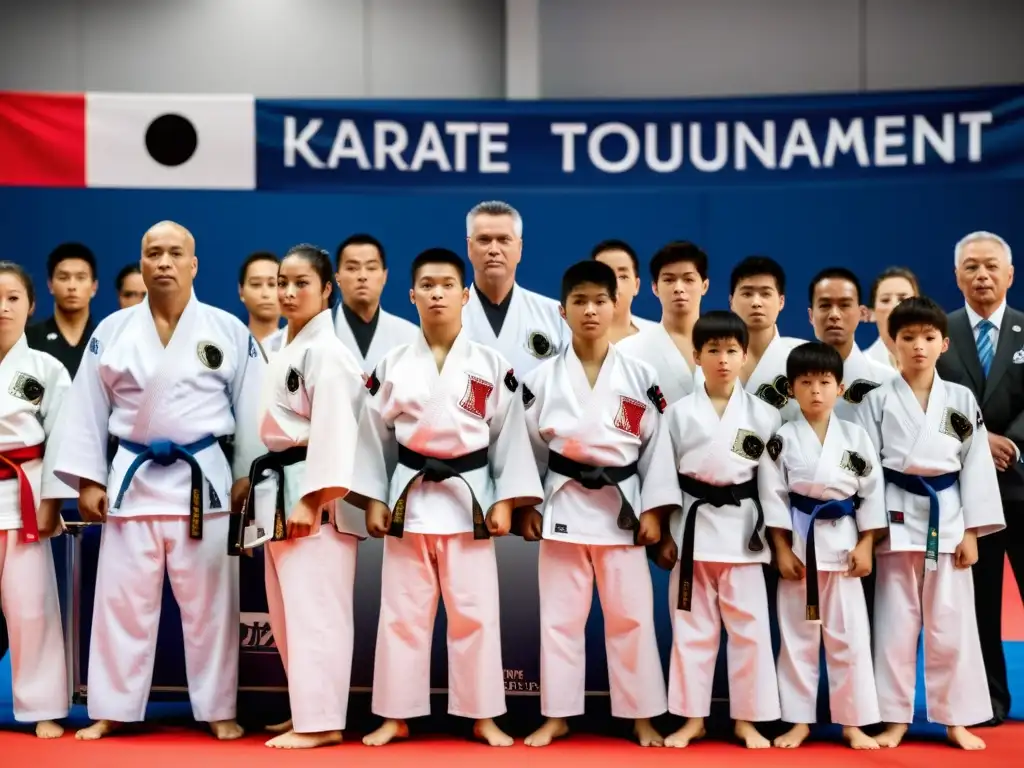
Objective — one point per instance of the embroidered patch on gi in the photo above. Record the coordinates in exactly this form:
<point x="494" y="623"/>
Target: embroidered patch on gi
<point x="293" y="380"/>
<point x="856" y="392"/>
<point x="978" y="421"/>
<point x="475" y="398"/>
<point x="372" y="382"/>
<point x="855" y="463"/>
<point x="210" y="355"/>
<point x="528" y="397"/>
<point x="956" y="424"/>
<point x="774" y="447"/>
<point x="214" y="499"/>
<point x="539" y="345"/>
<point x="655" y="396"/>
<point x="94" y="345"/>
<point x="748" y="445"/>
<point x="561" y="528"/>
<point x="775" y="393"/>
<point x="630" y="414"/>
<point x="27" y="388"/>
<point x="511" y="381"/>
<point x="256" y="349"/>
<point x="895" y="518"/>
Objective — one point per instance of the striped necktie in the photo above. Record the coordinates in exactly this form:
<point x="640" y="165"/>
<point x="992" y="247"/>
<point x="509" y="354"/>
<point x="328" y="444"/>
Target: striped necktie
<point x="985" y="348"/>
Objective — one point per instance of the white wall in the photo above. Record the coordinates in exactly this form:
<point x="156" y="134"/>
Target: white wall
<point x="551" y="48"/>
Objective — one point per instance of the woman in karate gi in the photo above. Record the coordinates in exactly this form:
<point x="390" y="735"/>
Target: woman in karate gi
<point x="311" y="393"/>
<point x="34" y="384"/>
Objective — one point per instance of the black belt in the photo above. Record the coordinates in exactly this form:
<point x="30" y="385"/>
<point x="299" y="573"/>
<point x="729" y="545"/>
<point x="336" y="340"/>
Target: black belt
<point x="275" y="461"/>
<point x="435" y="470"/>
<point x="716" y="496"/>
<point x="594" y="478"/>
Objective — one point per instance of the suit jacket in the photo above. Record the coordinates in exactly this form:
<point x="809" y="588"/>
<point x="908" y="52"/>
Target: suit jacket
<point x="1001" y="396"/>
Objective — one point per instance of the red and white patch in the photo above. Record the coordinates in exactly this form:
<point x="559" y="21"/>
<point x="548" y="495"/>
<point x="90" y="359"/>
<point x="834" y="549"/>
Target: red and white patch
<point x="631" y="413"/>
<point x="475" y="399"/>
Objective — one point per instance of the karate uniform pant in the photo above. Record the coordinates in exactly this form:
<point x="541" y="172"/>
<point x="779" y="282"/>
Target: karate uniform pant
<point x="417" y="569"/>
<point x="310" y="582"/>
<point x="567" y="573"/>
<point x="941" y="602"/>
<point x="28" y="594"/>
<point x="853" y="699"/>
<point x="733" y="594"/>
<point x="134" y="552"/>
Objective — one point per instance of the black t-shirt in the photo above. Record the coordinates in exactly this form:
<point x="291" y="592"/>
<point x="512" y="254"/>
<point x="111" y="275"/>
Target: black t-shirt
<point x="46" y="337"/>
<point x="362" y="331"/>
<point x="495" y="313"/>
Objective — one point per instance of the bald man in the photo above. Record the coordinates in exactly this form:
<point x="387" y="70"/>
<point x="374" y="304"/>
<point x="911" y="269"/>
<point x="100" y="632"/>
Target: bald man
<point x="174" y="384"/>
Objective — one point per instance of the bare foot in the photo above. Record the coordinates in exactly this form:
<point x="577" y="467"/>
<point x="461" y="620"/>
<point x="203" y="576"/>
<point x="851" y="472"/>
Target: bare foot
<point x="388" y="731"/>
<point x="293" y="740"/>
<point x="794" y="737"/>
<point x="226" y="730"/>
<point x="47" y="729"/>
<point x="645" y="733"/>
<point x="892" y="735"/>
<point x="280" y="727"/>
<point x="964" y="738"/>
<point x="857" y="739"/>
<point x="488" y="730"/>
<point x="553" y="728"/>
<point x="692" y="730"/>
<point x="98" y="730"/>
<point x="750" y="736"/>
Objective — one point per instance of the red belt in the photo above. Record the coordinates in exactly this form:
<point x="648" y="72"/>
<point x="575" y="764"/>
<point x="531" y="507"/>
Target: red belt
<point x="10" y="468"/>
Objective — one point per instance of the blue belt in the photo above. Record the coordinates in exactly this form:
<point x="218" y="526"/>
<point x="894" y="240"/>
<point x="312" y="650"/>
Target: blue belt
<point x="819" y="509"/>
<point x="165" y="453"/>
<point x="930" y="487"/>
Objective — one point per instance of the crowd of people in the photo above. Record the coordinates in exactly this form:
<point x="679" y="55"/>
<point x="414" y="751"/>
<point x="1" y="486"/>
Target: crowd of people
<point x="834" y="487"/>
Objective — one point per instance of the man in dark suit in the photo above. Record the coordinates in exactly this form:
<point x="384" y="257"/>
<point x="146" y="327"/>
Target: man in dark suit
<point x="986" y="354"/>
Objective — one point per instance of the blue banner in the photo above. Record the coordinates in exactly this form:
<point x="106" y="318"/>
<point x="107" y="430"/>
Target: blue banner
<point x="342" y="146"/>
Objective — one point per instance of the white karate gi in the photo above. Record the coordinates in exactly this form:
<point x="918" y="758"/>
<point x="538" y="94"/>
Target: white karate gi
<point x="768" y="380"/>
<point x="274" y="341"/>
<point x="861" y="374"/>
<point x="728" y="583"/>
<point x="880" y="354"/>
<point x="34" y="385"/>
<point x="391" y="331"/>
<point x="949" y="437"/>
<point x="655" y="347"/>
<point x="845" y="465"/>
<point x="612" y="424"/>
<point x="640" y="323"/>
<point x="312" y="394"/>
<point x="473" y="404"/>
<point x="205" y="383"/>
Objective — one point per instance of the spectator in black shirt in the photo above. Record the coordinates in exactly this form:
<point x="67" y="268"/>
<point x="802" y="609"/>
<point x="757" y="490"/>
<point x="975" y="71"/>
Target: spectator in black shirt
<point x="71" y="269"/>
<point x="130" y="288"/>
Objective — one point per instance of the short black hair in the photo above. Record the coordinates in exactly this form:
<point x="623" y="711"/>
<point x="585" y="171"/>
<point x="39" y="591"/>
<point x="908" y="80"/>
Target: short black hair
<point x="320" y="260"/>
<point x="917" y="310"/>
<point x="755" y="266"/>
<point x="833" y="273"/>
<point x="127" y="269"/>
<point x="593" y="272"/>
<point x="12" y="268"/>
<point x="811" y="358"/>
<point x="361" y="238"/>
<point x="885" y="274"/>
<point x="676" y="252"/>
<point x="720" y="325"/>
<point x="439" y="256"/>
<point x="617" y="245"/>
<point x="251" y="259"/>
<point x="66" y="251"/>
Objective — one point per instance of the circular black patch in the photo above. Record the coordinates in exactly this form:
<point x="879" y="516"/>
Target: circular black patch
<point x="539" y="344"/>
<point x="774" y="446"/>
<point x="33" y="389"/>
<point x="292" y="382"/>
<point x="859" y="465"/>
<point x="210" y="355"/>
<point x="859" y="390"/>
<point x="753" y="447"/>
<point x="171" y="140"/>
<point x="781" y="385"/>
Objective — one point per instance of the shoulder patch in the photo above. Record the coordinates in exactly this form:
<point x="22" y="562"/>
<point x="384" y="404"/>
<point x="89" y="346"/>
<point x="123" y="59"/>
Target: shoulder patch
<point x="858" y="390"/>
<point x="372" y="383"/>
<point x="774" y="447"/>
<point x="511" y="381"/>
<point x="978" y="421"/>
<point x="655" y="396"/>
<point x="26" y="387"/>
<point x="855" y="463"/>
<point x="94" y="345"/>
<point x="293" y="380"/>
<point x="528" y="397"/>
<point x="210" y="355"/>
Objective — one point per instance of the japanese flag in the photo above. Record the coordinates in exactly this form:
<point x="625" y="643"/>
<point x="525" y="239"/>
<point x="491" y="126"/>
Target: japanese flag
<point x="170" y="142"/>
